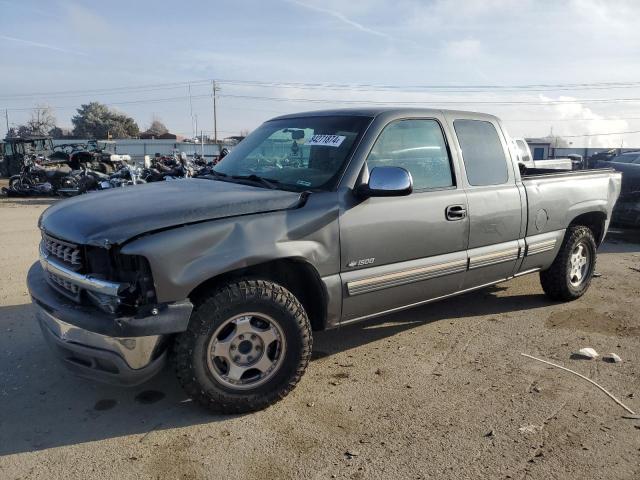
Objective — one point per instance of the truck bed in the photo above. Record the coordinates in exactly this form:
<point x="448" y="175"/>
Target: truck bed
<point x="555" y="198"/>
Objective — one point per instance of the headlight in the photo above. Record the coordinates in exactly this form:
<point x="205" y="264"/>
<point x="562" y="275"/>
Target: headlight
<point x="132" y="270"/>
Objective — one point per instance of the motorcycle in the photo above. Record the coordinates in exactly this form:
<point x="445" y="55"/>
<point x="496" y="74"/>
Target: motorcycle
<point x="90" y="180"/>
<point x="34" y="179"/>
<point x="172" y="167"/>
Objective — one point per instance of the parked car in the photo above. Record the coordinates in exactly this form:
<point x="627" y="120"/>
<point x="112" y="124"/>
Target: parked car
<point x="16" y="149"/>
<point x="594" y="159"/>
<point x="525" y="158"/>
<point x="627" y="210"/>
<point x="370" y="211"/>
<point x="629" y="164"/>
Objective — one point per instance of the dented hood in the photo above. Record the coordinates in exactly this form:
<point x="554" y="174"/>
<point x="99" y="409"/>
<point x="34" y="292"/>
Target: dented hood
<point x="115" y="216"/>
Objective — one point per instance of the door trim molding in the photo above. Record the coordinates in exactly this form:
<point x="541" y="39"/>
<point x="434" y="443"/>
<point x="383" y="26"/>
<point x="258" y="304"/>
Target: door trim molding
<point x="402" y="277"/>
<point x="423" y="302"/>
<point x="540" y="247"/>
<point x="507" y="255"/>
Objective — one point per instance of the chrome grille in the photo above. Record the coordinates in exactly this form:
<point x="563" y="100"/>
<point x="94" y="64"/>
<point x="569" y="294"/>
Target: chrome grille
<point x="68" y="253"/>
<point x="61" y="282"/>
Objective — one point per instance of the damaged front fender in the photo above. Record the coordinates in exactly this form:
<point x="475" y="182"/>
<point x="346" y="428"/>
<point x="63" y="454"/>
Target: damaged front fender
<point x="183" y="258"/>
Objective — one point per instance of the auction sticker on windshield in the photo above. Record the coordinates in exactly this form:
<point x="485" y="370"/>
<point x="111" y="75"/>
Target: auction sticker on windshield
<point x="326" y="140"/>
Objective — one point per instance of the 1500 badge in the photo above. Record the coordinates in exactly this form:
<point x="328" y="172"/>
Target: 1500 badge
<point x="361" y="263"/>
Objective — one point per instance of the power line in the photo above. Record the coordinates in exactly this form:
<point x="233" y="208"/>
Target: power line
<point x="599" y="134"/>
<point x="371" y="102"/>
<point x="476" y="88"/>
<point x="435" y="101"/>
<point x="444" y="88"/>
<point x="108" y="91"/>
<point x="130" y="102"/>
<point x="602" y="119"/>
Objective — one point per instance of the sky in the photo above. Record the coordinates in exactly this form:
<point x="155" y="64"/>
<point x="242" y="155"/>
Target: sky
<point x="552" y="62"/>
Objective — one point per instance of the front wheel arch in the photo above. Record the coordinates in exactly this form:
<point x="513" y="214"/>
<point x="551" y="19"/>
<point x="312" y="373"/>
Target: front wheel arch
<point x="296" y="275"/>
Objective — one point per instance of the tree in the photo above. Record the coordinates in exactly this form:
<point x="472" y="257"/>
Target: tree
<point x="59" y="133"/>
<point x="157" y="128"/>
<point x="42" y="121"/>
<point x="95" y="120"/>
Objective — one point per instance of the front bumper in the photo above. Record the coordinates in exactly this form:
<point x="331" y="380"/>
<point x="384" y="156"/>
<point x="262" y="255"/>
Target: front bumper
<point x="96" y="345"/>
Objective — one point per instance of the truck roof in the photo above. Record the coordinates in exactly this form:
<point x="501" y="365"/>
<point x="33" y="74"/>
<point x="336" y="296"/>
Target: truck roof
<point x="375" y="111"/>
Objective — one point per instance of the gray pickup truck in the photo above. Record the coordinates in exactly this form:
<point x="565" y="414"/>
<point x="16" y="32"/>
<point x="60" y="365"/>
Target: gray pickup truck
<point x="314" y="221"/>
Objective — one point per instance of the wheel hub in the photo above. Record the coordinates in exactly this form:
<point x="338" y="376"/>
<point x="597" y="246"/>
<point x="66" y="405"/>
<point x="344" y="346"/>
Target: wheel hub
<point x="246" y="350"/>
<point x="579" y="264"/>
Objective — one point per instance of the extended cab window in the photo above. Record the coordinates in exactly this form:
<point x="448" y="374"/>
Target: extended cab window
<point x="417" y="146"/>
<point x="482" y="152"/>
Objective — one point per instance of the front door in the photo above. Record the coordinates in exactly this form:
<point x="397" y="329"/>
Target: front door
<point x="400" y="251"/>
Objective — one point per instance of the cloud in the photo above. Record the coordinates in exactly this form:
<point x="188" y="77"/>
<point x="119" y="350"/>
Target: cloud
<point x="87" y="23"/>
<point x="463" y="48"/>
<point x="612" y="15"/>
<point x="41" y="45"/>
<point x="341" y="17"/>
<point x="587" y="122"/>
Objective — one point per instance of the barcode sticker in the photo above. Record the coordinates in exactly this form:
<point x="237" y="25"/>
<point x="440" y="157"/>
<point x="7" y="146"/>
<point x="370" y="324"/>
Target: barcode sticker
<point x="326" y="140"/>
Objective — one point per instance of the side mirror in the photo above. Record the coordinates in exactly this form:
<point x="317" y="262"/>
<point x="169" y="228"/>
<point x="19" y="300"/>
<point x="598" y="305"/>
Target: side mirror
<point x="387" y="182"/>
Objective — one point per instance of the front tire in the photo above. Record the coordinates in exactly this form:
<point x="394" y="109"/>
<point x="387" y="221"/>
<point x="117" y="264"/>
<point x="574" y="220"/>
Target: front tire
<point x="20" y="182"/>
<point x="571" y="272"/>
<point x="247" y="345"/>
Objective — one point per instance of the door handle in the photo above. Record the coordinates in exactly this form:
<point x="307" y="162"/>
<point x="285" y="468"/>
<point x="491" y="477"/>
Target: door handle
<point x="455" y="212"/>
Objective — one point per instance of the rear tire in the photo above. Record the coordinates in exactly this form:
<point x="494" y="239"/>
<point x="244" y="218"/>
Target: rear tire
<point x="571" y="272"/>
<point x="246" y="347"/>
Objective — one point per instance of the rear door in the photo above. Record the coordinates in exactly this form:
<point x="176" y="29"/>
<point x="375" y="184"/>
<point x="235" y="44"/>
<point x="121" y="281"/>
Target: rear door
<point x="495" y="203"/>
<point x="399" y="251"/>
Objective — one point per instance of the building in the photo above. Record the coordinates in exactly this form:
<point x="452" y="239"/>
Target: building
<point x="541" y="148"/>
<point x="165" y="136"/>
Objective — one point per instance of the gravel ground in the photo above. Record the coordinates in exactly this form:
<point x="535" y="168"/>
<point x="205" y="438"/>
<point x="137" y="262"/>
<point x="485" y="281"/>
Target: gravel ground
<point x="434" y="392"/>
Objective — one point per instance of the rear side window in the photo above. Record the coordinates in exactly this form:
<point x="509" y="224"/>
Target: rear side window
<point x="482" y="152"/>
<point x="418" y="146"/>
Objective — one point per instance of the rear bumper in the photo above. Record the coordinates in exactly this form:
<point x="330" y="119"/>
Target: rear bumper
<point x="117" y="350"/>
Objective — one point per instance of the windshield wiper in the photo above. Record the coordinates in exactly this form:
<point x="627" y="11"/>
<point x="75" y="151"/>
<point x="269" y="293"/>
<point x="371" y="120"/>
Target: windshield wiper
<point x="217" y="174"/>
<point x="267" y="182"/>
<point x="213" y="175"/>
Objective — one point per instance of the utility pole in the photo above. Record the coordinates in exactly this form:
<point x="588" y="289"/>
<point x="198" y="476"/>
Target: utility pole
<point x="214" y="89"/>
<point x="194" y="128"/>
<point x="6" y="117"/>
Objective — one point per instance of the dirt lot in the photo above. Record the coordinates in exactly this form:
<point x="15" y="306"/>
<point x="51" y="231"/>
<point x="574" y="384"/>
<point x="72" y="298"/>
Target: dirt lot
<point x="435" y="392"/>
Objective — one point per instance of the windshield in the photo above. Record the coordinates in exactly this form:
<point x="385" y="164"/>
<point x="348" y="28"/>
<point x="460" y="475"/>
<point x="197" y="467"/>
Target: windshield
<point x="300" y="153"/>
<point x="626" y="158"/>
<point x="96" y="145"/>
